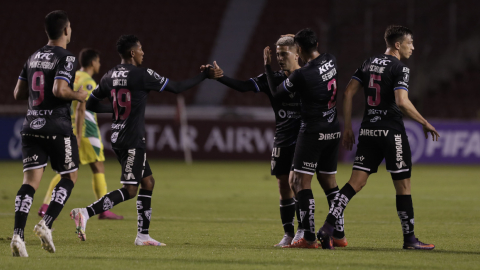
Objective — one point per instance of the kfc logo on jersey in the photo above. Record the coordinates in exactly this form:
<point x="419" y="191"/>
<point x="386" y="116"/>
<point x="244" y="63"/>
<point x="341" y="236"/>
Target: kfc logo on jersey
<point x="117" y="74"/>
<point x="324" y="68"/>
<point x="46" y="56"/>
<point x="383" y="62"/>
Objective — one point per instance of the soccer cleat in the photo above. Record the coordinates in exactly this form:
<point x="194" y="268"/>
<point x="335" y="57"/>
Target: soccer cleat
<point x="18" y="246"/>
<point x="45" y="234"/>
<point x="418" y="245"/>
<point x="109" y="215"/>
<point x="342" y="242"/>
<point x="148" y="242"/>
<point x="286" y="240"/>
<point x="302" y="243"/>
<point x="325" y="239"/>
<point x="42" y="210"/>
<point x="298" y="236"/>
<point x="80" y="223"/>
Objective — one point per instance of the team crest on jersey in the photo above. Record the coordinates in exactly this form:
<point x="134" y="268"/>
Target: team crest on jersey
<point x="406" y="77"/>
<point x="70" y="58"/>
<point x="69" y="66"/>
<point x="89" y="87"/>
<point x="38" y="123"/>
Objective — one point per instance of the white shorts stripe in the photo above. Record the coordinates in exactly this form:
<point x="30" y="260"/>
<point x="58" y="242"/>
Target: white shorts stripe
<point x="35" y="167"/>
<point x="305" y="172"/>
<point x="399" y="171"/>
<point x="65" y="172"/>
<point x="128" y="182"/>
<point x="363" y="168"/>
<point x="335" y="172"/>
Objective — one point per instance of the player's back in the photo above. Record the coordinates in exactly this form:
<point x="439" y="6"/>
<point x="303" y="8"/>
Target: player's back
<point x="46" y="113"/>
<point x="318" y="91"/>
<point x="124" y="85"/>
<point x="381" y="76"/>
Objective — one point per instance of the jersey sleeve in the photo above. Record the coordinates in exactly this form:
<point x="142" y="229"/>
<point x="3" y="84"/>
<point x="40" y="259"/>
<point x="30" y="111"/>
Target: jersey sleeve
<point x="153" y="81"/>
<point x="294" y="82"/>
<point x="23" y="74"/>
<point x="89" y="86"/>
<point x="358" y="75"/>
<point x="99" y="92"/>
<point x="66" y="69"/>
<point x="401" y="76"/>
<point x="261" y="83"/>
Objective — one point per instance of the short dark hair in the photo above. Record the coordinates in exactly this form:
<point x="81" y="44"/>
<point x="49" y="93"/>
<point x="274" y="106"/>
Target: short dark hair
<point x="125" y="44"/>
<point x="306" y="39"/>
<point x="87" y="56"/>
<point x="55" y="22"/>
<point x="396" y="33"/>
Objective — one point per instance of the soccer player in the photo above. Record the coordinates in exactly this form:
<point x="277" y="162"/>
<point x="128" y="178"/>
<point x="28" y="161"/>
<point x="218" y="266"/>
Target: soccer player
<point x="384" y="79"/>
<point x="86" y="129"/>
<point x="46" y="80"/>
<point x="317" y="143"/>
<point x="127" y="86"/>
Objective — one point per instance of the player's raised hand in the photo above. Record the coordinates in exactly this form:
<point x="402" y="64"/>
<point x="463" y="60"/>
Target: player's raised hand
<point x="427" y="128"/>
<point x="348" y="139"/>
<point x="267" y="56"/>
<point x="82" y="94"/>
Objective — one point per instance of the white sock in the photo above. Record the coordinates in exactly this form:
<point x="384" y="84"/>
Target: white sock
<point x="85" y="213"/>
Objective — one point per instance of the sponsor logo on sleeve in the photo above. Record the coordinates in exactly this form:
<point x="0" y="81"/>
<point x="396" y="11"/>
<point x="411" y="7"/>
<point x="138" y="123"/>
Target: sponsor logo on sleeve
<point x="69" y="66"/>
<point x="406" y="77"/>
<point x="288" y="83"/>
<point x="406" y="70"/>
<point x="150" y="71"/>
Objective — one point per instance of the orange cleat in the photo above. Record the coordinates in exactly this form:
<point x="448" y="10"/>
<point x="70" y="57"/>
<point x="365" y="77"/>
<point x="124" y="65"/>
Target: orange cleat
<point x="302" y="243"/>
<point x="340" y="242"/>
<point x="418" y="245"/>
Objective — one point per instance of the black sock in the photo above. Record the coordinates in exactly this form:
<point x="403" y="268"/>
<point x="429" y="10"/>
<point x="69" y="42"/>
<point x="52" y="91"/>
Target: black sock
<point x="108" y="201"/>
<point x="338" y="232"/>
<point x="297" y="213"/>
<point x="144" y="210"/>
<point x="405" y="213"/>
<point x="287" y="214"/>
<point x="23" y="202"/>
<point x="339" y="204"/>
<point x="307" y="213"/>
<point x="60" y="195"/>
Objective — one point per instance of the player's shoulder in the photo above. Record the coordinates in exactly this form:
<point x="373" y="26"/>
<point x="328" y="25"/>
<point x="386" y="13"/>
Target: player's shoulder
<point x="62" y="53"/>
<point x="329" y="56"/>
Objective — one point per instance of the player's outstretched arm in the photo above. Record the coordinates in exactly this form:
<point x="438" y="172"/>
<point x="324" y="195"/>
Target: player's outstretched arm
<point x="21" y="90"/>
<point x="406" y="106"/>
<point x="238" y="85"/>
<point x="94" y="105"/>
<point x="63" y="91"/>
<point x="277" y="91"/>
<point x="348" y="137"/>
<point x="179" y="87"/>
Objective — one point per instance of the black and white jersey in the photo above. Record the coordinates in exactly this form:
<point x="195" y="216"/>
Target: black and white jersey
<point x="286" y="108"/>
<point x="380" y="77"/>
<point x="316" y="84"/>
<point x="127" y="88"/>
<point x="46" y="113"/>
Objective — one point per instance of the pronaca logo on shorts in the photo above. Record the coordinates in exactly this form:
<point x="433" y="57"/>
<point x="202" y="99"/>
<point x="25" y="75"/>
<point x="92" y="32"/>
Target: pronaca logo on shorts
<point x="329" y="136"/>
<point x="373" y="132"/>
<point x="68" y="154"/>
<point x="128" y="167"/>
<point x="399" y="148"/>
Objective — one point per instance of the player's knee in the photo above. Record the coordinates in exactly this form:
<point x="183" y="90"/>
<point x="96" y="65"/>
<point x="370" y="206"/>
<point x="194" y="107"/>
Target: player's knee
<point x="132" y="190"/>
<point x="148" y="183"/>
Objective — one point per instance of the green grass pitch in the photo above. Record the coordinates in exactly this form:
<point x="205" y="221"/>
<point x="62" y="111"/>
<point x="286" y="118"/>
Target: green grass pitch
<point x="225" y="215"/>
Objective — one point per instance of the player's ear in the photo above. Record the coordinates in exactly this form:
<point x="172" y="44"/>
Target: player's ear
<point x="397" y="45"/>
<point x="132" y="53"/>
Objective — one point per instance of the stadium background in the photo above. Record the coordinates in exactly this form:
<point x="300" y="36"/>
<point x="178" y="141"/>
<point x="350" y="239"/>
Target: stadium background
<point x="179" y="36"/>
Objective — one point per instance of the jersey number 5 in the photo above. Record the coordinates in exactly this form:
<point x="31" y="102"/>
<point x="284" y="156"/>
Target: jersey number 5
<point x="122" y="98"/>
<point x="376" y="86"/>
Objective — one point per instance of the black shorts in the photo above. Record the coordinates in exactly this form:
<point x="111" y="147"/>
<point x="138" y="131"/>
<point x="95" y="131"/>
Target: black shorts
<point x="282" y="158"/>
<point x="135" y="166"/>
<point x="62" y="151"/>
<point x="317" y="152"/>
<point x="376" y="144"/>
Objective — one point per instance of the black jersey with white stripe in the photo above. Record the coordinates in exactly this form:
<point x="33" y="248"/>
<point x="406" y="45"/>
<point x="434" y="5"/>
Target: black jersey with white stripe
<point x="286" y="108"/>
<point x="380" y="77"/>
<point x="316" y="84"/>
<point x="127" y="87"/>
<point x="46" y="113"/>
